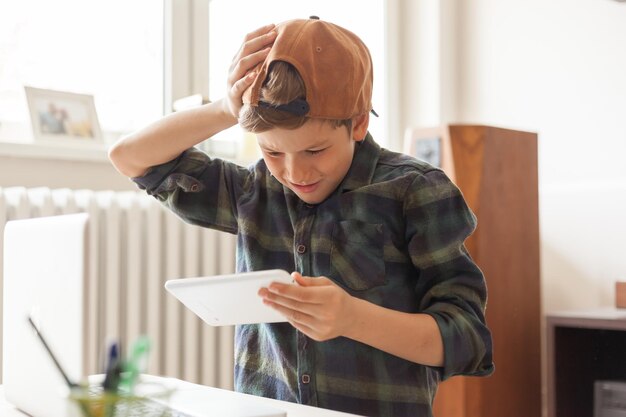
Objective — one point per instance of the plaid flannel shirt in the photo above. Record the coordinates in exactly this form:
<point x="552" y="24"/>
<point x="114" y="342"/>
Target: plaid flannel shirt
<point x="392" y="233"/>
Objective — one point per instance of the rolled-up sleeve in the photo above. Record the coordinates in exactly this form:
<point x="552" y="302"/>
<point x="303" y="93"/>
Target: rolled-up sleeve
<point x="199" y="189"/>
<point x="450" y="285"/>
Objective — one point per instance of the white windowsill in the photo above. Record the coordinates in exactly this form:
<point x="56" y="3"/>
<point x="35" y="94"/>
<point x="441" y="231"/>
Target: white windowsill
<point x="94" y="152"/>
<point x="16" y="142"/>
<point x="89" y="152"/>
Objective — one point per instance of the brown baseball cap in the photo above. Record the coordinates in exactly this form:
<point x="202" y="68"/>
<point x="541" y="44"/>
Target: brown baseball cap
<point x="334" y="64"/>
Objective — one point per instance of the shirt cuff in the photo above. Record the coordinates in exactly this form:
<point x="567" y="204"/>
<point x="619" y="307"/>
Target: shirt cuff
<point x="467" y="351"/>
<point x="157" y="174"/>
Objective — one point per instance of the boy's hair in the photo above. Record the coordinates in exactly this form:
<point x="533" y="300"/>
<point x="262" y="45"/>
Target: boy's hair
<point x="282" y="85"/>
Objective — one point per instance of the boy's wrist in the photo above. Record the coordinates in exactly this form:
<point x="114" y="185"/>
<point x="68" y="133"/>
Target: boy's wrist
<point x="225" y="112"/>
<point x="358" y="311"/>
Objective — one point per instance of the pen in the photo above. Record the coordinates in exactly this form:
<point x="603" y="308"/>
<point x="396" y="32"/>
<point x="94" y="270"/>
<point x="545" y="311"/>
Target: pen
<point x="113" y="368"/>
<point x="54" y="359"/>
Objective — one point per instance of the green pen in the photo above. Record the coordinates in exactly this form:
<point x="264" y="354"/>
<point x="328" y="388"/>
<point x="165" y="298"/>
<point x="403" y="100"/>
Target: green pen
<point x="136" y="360"/>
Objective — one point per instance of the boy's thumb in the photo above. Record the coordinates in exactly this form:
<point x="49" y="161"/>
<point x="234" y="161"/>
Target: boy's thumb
<point x="307" y="281"/>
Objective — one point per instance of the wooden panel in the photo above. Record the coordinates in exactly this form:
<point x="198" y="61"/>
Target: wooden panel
<point x="620" y="294"/>
<point x="450" y="399"/>
<point x="496" y="169"/>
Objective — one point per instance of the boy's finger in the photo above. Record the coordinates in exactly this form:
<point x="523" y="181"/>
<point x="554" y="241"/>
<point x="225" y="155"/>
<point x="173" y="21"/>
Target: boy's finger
<point x="258" y="32"/>
<point x="252" y="47"/>
<point x="245" y="65"/>
<point x="257" y="44"/>
<point x="240" y="86"/>
<point x="288" y="311"/>
<point x="253" y="44"/>
<point x="298" y="293"/>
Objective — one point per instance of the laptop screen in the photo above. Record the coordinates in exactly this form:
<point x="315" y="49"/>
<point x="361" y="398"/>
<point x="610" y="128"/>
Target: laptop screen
<point x="44" y="271"/>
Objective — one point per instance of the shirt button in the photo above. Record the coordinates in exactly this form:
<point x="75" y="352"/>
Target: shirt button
<point x="301" y="249"/>
<point x="306" y="378"/>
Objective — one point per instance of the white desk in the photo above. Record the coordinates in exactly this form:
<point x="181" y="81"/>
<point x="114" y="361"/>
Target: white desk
<point x="6" y="409"/>
<point x="292" y="409"/>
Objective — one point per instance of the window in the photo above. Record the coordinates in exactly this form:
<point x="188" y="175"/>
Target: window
<point x="110" y="49"/>
<point x="137" y="57"/>
<point x="231" y="20"/>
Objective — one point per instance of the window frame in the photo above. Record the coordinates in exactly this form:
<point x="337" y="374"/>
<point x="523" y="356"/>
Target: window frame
<point x="186" y="47"/>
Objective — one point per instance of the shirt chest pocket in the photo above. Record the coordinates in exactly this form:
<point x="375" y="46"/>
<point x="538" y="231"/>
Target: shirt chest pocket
<point x="356" y="256"/>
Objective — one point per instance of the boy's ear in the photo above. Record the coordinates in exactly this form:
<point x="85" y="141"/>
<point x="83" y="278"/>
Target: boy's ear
<point x="359" y="126"/>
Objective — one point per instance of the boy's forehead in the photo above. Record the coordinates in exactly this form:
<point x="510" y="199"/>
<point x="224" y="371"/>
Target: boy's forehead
<point x="313" y="134"/>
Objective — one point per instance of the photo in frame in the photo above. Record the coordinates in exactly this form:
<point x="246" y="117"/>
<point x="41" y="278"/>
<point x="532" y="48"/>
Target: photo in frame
<point x="432" y="145"/>
<point x="60" y="116"/>
<point x="426" y="148"/>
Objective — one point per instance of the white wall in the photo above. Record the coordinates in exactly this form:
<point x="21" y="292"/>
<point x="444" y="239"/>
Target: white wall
<point x="558" y="68"/>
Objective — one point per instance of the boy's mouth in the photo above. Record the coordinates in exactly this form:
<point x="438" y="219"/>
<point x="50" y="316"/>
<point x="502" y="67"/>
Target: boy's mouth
<point x="308" y="188"/>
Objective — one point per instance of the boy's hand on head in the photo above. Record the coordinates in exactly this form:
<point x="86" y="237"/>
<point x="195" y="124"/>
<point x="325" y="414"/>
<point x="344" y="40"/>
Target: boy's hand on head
<point x="317" y="307"/>
<point x="252" y="52"/>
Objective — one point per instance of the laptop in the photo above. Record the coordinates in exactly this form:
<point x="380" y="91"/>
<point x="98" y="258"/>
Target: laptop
<point x="45" y="272"/>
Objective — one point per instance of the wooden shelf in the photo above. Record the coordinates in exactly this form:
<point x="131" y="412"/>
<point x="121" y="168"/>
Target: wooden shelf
<point x="583" y="346"/>
<point x="496" y="169"/>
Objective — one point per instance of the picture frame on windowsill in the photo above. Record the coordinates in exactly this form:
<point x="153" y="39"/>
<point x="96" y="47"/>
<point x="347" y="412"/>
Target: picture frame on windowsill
<point x="424" y="144"/>
<point x="63" y="117"/>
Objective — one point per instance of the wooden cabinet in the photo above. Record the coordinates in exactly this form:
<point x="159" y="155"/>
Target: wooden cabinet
<point x="496" y="169"/>
<point x="583" y="346"/>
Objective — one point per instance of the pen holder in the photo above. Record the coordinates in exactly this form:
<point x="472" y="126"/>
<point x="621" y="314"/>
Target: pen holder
<point x="148" y="399"/>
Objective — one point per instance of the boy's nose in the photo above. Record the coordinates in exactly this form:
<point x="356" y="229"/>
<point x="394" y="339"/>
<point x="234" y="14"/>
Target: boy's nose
<point x="298" y="172"/>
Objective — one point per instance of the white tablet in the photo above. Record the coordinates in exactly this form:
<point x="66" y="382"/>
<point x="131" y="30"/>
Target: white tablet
<point x="224" y="300"/>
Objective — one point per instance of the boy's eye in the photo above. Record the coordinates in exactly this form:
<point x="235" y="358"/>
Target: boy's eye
<point x="314" y="152"/>
<point x="273" y="153"/>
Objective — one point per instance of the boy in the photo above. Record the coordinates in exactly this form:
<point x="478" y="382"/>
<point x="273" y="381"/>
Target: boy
<point x="388" y="301"/>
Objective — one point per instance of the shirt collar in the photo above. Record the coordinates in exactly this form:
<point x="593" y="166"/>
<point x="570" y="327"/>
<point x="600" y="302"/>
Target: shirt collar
<point x="366" y="154"/>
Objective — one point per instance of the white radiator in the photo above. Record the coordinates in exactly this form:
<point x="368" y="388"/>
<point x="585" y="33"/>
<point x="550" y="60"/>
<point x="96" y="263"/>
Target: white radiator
<point x="135" y="245"/>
